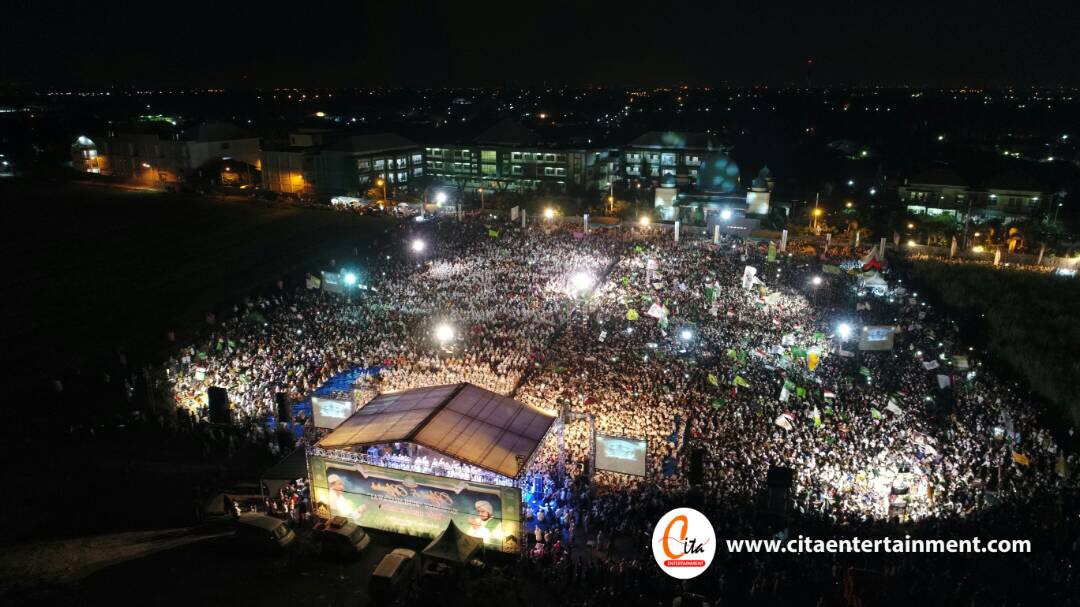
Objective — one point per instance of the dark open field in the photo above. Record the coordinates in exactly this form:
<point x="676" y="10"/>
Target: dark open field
<point x="91" y="269"/>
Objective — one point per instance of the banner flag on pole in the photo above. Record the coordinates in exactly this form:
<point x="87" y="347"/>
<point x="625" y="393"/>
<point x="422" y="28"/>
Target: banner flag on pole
<point x="714" y="380"/>
<point x="739" y="381"/>
<point x="875" y="413"/>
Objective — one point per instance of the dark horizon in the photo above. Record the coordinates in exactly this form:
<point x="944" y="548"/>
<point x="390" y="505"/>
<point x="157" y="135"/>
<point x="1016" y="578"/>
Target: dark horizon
<point x="995" y="45"/>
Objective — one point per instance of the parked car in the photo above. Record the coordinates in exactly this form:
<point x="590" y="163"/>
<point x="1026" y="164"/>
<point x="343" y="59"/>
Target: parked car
<point x="393" y="572"/>
<point x="340" y="537"/>
<point x="263" y="532"/>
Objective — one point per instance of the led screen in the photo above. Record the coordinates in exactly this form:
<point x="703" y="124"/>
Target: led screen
<point x="625" y="455"/>
<point x="330" y="412"/>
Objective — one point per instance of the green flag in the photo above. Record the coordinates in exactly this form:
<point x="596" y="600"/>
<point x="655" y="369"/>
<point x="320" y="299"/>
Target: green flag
<point x="637" y="248"/>
<point x="625" y="281"/>
<point x="800" y="392"/>
<point x="493" y="233"/>
<point x="790" y="385"/>
<point x="714" y="380"/>
<point x="817" y="418"/>
<point x="865" y="371"/>
<point x="732" y="354"/>
<point x="875" y="413"/>
<point x="631" y="314"/>
<point x="772" y="252"/>
<point x="818" y="335"/>
<point x="717" y="403"/>
<point x="797" y="352"/>
<point x="739" y="381"/>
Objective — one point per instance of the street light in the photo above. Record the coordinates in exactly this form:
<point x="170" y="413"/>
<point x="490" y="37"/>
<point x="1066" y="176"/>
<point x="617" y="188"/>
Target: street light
<point x="549" y="213"/>
<point x="380" y="182"/>
<point x="418" y="246"/>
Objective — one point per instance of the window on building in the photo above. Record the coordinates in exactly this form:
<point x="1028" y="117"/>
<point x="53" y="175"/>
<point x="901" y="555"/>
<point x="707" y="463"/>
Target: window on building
<point x="549" y="157"/>
<point x="488" y="156"/>
<point x="403" y="176"/>
<point x="417" y="171"/>
<point x="489" y="170"/>
<point x="667" y="159"/>
<point x="560" y="157"/>
<point x="560" y="172"/>
<point x="363" y="164"/>
<point x="667" y="171"/>
<point x="549" y="171"/>
<point x="380" y="164"/>
<point x="692" y="160"/>
<point x="402" y="162"/>
<point x="515" y="156"/>
<point x="417" y="158"/>
<point x="516" y="169"/>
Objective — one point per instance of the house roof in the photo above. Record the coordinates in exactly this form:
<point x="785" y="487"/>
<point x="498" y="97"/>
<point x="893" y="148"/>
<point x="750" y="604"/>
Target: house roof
<point x="939" y="176"/>
<point x="666" y="140"/>
<point x="1016" y="181"/>
<point x="370" y="144"/>
<point x="463" y="421"/>
<point x="508" y="132"/>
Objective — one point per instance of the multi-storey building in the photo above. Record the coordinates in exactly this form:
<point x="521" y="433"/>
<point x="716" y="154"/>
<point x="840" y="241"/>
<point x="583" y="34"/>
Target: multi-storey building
<point x="512" y="158"/>
<point x="1008" y="197"/>
<point x="156" y="150"/>
<point x="660" y="154"/>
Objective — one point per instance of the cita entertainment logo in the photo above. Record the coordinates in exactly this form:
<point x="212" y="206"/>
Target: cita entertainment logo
<point x="684" y="543"/>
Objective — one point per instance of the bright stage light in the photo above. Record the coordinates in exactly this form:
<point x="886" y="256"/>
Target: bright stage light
<point x="418" y="245"/>
<point x="644" y="221"/>
<point x="549" y="213"/>
<point x="725" y="214"/>
<point x="686" y="334"/>
<point x="844" y="331"/>
<point x="440" y="198"/>
<point x="350" y="278"/>
<point x="444" y="333"/>
<point x="581" y="281"/>
<point x="816" y="280"/>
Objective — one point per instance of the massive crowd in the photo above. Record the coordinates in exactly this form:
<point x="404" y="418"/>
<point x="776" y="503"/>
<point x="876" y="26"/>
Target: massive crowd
<point x="669" y="346"/>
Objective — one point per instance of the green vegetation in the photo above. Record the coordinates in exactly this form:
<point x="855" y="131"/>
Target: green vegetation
<point x="1032" y="322"/>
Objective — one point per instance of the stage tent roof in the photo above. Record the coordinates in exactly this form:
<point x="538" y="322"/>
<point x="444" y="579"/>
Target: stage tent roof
<point x="463" y="421"/>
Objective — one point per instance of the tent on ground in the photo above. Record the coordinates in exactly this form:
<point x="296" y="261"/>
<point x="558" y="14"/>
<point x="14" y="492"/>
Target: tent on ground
<point x="873" y="280"/>
<point x="294" y="466"/>
<point x="452" y="547"/>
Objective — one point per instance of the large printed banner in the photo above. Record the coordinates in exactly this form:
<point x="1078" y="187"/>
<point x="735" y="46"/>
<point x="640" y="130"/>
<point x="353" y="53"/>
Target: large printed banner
<point x="416" y="504"/>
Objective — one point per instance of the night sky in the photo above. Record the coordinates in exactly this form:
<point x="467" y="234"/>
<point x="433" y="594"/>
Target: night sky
<point x="472" y="43"/>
